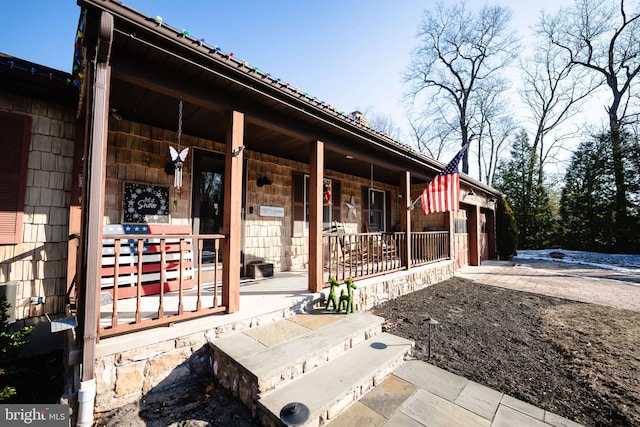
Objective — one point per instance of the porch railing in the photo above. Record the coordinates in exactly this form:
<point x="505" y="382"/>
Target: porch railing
<point x="179" y="277"/>
<point x="362" y="255"/>
<point x="429" y="246"/>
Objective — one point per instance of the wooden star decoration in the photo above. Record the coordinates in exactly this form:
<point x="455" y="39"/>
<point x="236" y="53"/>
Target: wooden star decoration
<point x="353" y="206"/>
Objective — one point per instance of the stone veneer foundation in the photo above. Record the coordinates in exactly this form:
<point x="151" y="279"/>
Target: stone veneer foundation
<point x="126" y="376"/>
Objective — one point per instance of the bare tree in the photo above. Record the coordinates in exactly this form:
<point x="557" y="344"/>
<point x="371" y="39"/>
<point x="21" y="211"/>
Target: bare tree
<point x="495" y="127"/>
<point x="459" y="52"/>
<point x="432" y="133"/>
<point x="381" y="122"/>
<point x="604" y="38"/>
<point x="554" y="89"/>
<point x="384" y="123"/>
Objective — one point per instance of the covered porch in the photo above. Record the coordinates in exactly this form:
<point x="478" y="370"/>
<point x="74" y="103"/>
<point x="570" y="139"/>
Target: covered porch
<point x="193" y="288"/>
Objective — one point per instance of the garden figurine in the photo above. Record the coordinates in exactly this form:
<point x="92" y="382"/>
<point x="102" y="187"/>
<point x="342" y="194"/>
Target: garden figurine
<point x="346" y="299"/>
<point x="332" y="294"/>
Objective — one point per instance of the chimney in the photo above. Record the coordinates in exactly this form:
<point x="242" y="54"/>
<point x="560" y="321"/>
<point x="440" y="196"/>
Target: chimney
<point x="359" y="117"/>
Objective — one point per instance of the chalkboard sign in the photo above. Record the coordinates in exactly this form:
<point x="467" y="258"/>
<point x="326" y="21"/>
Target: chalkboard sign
<point x="145" y="203"/>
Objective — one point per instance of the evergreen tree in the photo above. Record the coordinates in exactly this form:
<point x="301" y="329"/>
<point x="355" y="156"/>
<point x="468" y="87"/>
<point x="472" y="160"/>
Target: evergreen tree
<point x="588" y="206"/>
<point x="529" y="199"/>
<point x="506" y="230"/>
<point x="10" y="342"/>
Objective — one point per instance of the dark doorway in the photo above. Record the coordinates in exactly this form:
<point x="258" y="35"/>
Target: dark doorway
<point x="208" y="198"/>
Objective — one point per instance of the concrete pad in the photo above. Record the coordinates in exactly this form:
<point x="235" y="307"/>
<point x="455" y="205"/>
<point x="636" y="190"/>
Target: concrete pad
<point x="508" y="417"/>
<point x="401" y="420"/>
<point x="433" y="379"/>
<point x="315" y="320"/>
<point x="388" y="396"/>
<point x="276" y="333"/>
<point x="359" y="415"/>
<point x="524" y="407"/>
<point x="479" y="399"/>
<point x="558" y="421"/>
<point x="434" y="411"/>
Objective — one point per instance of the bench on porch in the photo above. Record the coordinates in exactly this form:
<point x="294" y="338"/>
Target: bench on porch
<point x="122" y="264"/>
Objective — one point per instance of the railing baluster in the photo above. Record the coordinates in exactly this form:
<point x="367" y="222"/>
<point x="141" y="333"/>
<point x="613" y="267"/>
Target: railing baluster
<point x="216" y="248"/>
<point x="198" y="264"/>
<point x="180" y="276"/>
<point x="116" y="275"/>
<point x="163" y="276"/>
<point x="140" y="247"/>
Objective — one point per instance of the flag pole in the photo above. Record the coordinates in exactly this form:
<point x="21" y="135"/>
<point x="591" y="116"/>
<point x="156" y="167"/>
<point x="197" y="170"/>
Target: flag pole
<point x="414" y="203"/>
<point x="460" y="153"/>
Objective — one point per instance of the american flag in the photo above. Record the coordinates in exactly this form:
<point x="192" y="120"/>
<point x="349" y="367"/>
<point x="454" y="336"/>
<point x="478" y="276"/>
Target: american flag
<point x="443" y="192"/>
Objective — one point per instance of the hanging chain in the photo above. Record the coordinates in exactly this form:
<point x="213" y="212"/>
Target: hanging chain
<point x="179" y="123"/>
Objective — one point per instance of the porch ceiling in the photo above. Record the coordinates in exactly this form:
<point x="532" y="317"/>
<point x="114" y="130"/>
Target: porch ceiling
<point x="151" y="70"/>
<point x="142" y="105"/>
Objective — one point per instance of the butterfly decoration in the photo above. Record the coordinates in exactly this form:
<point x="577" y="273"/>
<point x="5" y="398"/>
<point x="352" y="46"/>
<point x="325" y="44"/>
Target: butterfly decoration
<point x="178" y="159"/>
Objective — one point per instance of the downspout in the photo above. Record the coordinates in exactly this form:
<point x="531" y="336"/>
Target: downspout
<point x="95" y="202"/>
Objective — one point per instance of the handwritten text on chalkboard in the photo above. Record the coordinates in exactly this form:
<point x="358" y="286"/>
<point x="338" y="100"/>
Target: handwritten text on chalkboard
<point x="145" y="203"/>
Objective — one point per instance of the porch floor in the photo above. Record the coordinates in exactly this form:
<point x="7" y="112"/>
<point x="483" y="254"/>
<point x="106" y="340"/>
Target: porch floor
<point x="281" y="295"/>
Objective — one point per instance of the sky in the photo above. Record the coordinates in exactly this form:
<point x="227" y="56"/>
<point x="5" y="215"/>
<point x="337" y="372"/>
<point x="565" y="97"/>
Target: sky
<point x="349" y="53"/>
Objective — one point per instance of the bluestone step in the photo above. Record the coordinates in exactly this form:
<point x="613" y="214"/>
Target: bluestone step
<point x="333" y="387"/>
<point x="252" y="368"/>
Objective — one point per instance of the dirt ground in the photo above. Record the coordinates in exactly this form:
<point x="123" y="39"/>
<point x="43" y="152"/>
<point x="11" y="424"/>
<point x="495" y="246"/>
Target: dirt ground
<point x="580" y="361"/>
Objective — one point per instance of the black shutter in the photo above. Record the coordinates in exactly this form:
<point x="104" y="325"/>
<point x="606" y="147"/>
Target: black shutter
<point x="387" y="210"/>
<point x="336" y="199"/>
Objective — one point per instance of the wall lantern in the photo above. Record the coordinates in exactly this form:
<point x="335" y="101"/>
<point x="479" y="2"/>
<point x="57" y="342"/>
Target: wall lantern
<point x="263" y="180"/>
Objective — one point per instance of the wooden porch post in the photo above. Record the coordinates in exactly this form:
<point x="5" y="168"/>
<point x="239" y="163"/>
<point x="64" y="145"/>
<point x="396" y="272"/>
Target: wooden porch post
<point x="474" y="235"/>
<point x="97" y="167"/>
<point x="405" y="219"/>
<point x="232" y="211"/>
<point x="315" y="216"/>
<point x="491" y="229"/>
<point x="452" y="237"/>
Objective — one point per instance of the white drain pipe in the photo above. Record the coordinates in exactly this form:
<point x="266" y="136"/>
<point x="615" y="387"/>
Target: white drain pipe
<point x="86" y="400"/>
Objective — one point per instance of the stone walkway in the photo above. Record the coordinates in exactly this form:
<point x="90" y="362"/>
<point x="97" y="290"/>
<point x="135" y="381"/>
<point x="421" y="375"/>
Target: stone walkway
<point x="570" y="281"/>
<point x="419" y="394"/>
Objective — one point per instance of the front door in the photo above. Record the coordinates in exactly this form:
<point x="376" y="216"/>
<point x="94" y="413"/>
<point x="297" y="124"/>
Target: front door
<point x="208" y="192"/>
<point x="208" y="199"/>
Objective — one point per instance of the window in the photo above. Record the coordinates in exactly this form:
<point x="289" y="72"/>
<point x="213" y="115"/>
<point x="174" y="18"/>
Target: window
<point x="376" y="210"/>
<point x="14" y="142"/>
<point x="377" y="214"/>
<point x="330" y="203"/>
<point x="460" y="225"/>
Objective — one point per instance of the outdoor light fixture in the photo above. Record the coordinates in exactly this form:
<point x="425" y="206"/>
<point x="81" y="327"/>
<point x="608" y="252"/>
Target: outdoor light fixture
<point x="294" y="414"/>
<point x="429" y="321"/>
<point x="263" y="180"/>
<point x="236" y="151"/>
<point x="471" y="193"/>
<point x="492" y="200"/>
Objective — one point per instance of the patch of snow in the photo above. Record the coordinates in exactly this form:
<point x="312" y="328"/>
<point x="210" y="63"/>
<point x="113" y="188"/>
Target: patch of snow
<point x="618" y="262"/>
